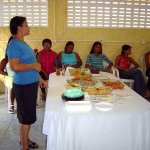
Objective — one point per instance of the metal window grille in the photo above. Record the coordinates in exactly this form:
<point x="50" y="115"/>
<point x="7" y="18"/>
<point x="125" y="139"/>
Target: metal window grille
<point x="108" y="13"/>
<point x="36" y="11"/>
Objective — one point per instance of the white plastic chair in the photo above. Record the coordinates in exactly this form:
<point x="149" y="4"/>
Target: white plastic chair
<point x="143" y="67"/>
<point x="129" y="82"/>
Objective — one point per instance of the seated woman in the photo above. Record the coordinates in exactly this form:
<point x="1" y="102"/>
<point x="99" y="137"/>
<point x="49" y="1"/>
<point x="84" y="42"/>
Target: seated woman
<point x="46" y="57"/>
<point x="68" y="58"/>
<point x="123" y="63"/>
<point x="95" y="59"/>
<point x="147" y="62"/>
<point x="8" y="74"/>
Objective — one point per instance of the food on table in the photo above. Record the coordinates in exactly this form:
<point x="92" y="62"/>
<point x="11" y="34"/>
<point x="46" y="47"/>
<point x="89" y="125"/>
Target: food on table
<point x="73" y="85"/>
<point x="74" y="71"/>
<point x="114" y="84"/>
<point x="79" y="73"/>
<point x="100" y="78"/>
<point x="97" y="90"/>
<point x="106" y="98"/>
<point x="82" y="81"/>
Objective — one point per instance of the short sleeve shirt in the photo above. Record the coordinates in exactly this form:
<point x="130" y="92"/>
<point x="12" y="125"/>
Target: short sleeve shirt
<point x="22" y="51"/>
<point x="48" y="61"/>
<point x="96" y="62"/>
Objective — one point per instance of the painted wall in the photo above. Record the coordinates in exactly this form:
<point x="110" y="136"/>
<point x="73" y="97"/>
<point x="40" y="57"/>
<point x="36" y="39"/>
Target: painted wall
<point x="83" y="38"/>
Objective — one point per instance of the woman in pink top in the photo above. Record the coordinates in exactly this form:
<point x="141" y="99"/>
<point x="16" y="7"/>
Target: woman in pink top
<point x="126" y="71"/>
<point x="46" y="57"/>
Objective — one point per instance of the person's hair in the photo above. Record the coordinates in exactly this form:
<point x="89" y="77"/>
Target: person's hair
<point x="15" y="22"/>
<point x="11" y="37"/>
<point x="125" y="48"/>
<point x="69" y="43"/>
<point x="46" y="41"/>
<point x="94" y="45"/>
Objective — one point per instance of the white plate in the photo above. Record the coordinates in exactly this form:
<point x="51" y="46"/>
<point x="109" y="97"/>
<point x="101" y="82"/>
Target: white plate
<point x="103" y="106"/>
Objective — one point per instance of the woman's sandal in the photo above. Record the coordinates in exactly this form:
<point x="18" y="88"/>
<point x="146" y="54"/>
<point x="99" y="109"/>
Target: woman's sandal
<point x="11" y="109"/>
<point x="33" y="145"/>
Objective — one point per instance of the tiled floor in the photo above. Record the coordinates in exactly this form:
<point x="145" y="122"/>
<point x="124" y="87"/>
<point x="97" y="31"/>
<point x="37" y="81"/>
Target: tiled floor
<point x="9" y="128"/>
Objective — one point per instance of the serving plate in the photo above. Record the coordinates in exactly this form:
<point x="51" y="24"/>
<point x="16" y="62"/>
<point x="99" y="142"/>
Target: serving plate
<point x="114" y="84"/>
<point x="82" y="82"/>
<point x="104" y="106"/>
<point x="100" y="78"/>
<point x="72" y="85"/>
<point x="97" y="90"/>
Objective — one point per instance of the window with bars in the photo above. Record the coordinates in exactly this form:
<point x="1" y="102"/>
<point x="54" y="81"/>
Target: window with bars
<point x="108" y="13"/>
<point x="36" y="11"/>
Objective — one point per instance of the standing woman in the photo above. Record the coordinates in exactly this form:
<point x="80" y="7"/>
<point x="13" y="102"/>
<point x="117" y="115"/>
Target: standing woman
<point x="68" y="58"/>
<point x="95" y="59"/>
<point x="126" y="71"/>
<point x="22" y="61"/>
<point x="8" y="78"/>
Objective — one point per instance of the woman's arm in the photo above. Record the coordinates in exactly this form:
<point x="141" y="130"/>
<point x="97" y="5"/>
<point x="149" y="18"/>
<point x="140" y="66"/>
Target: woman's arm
<point x="16" y="66"/>
<point x="135" y="65"/>
<point x="39" y="61"/>
<point x="108" y="69"/>
<point x="3" y="66"/>
<point x="109" y="66"/>
<point x="147" y="61"/>
<point x="79" y="61"/>
<point x="38" y="58"/>
<point x="88" y="62"/>
<point x="59" y="57"/>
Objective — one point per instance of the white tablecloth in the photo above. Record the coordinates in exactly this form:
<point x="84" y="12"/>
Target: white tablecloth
<point x="125" y="127"/>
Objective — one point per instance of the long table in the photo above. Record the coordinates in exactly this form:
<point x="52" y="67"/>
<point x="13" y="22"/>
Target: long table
<point x="125" y="127"/>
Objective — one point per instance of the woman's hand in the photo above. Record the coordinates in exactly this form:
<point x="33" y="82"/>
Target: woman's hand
<point x="67" y="65"/>
<point x="106" y="70"/>
<point x="87" y="66"/>
<point x="43" y="83"/>
<point x="37" y="67"/>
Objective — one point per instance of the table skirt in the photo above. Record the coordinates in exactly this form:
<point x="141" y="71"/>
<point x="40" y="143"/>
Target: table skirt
<point x="97" y="132"/>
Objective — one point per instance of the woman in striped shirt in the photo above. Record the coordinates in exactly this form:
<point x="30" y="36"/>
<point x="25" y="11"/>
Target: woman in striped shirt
<point x="95" y="59"/>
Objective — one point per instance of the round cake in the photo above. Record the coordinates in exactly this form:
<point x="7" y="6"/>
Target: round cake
<point x="73" y="94"/>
